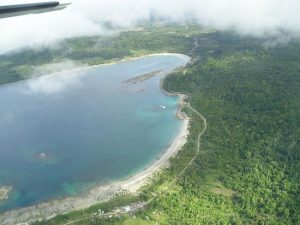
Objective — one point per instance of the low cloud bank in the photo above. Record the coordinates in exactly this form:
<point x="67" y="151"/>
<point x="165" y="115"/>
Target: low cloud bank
<point x="275" y="19"/>
<point x="56" y="82"/>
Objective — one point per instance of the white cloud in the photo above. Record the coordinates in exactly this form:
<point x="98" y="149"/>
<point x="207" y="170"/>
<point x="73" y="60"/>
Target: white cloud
<point x="271" y="18"/>
<point x="57" y="82"/>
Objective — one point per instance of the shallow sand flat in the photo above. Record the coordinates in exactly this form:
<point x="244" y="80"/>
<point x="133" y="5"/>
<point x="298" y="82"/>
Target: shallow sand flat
<point x="4" y="192"/>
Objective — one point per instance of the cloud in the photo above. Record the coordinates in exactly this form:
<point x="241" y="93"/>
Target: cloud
<point x="52" y="68"/>
<point x="276" y="19"/>
<point x="56" y="82"/>
<point x="53" y="84"/>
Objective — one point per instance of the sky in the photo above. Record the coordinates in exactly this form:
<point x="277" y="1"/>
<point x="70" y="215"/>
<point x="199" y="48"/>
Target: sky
<point x="278" y="20"/>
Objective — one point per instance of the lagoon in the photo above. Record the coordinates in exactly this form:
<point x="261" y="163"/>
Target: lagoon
<point x="64" y="133"/>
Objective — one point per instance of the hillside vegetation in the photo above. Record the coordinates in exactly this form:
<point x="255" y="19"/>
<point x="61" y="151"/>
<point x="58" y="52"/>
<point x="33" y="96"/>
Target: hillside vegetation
<point x="249" y="171"/>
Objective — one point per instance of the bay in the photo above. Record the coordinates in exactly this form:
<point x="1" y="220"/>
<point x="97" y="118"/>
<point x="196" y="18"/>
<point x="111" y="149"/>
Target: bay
<point x="64" y="133"/>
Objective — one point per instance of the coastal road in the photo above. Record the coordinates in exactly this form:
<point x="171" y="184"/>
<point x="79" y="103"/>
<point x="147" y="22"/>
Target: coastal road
<point x="195" y="156"/>
<point x="196" y="43"/>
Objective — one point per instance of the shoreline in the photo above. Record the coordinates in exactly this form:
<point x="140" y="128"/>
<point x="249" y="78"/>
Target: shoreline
<point x="103" y="193"/>
<point x="129" y="59"/>
<point x="81" y="67"/>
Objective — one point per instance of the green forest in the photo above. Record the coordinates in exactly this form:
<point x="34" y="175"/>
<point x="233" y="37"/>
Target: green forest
<point x="248" y="168"/>
<point x="249" y="172"/>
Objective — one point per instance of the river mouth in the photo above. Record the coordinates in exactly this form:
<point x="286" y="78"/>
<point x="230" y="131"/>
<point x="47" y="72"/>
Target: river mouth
<point x="63" y="134"/>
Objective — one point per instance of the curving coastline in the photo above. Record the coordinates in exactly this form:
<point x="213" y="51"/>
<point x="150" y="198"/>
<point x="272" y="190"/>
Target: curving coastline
<point x="104" y="192"/>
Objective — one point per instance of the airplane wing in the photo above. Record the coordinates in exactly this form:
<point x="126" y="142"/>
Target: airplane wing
<point x="31" y="8"/>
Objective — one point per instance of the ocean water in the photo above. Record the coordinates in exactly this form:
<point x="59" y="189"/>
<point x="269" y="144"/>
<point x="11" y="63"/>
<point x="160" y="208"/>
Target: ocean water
<point x="61" y="134"/>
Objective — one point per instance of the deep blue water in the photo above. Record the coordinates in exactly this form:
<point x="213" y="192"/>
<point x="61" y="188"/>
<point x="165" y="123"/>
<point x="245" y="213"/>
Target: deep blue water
<point x="92" y="127"/>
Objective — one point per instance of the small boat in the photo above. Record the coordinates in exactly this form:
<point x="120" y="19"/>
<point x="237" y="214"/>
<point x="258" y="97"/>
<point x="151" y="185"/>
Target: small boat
<point x="42" y="155"/>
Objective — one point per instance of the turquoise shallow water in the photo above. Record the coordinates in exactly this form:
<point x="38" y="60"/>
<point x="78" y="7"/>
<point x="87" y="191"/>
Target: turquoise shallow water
<point x="91" y="126"/>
